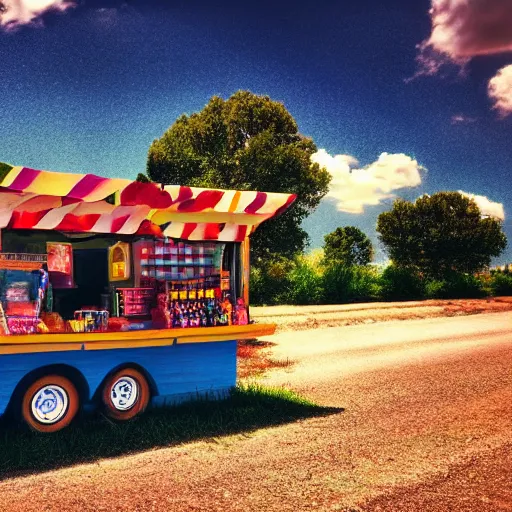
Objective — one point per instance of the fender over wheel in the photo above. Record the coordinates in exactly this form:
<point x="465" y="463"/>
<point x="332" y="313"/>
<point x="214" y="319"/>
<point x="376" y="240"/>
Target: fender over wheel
<point x="50" y="403"/>
<point x="125" y="394"/>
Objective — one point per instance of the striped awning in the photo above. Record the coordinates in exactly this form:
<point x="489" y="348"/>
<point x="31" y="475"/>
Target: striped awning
<point x="85" y="203"/>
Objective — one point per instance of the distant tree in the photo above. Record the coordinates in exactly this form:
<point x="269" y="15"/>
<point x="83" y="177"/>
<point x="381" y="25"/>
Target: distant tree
<point x="142" y="178"/>
<point x="4" y="170"/>
<point x="247" y="142"/>
<point x="440" y="234"/>
<point x="348" y="245"/>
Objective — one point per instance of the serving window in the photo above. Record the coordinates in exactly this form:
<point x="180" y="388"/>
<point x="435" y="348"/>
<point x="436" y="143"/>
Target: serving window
<point x="100" y="282"/>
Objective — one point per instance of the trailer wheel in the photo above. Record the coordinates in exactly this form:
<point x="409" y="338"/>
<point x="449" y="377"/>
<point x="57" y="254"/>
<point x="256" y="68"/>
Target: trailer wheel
<point x="125" y="394"/>
<point x="50" y="403"/>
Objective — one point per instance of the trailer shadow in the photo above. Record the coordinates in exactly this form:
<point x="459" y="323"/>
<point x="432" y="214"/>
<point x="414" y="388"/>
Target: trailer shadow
<point x="248" y="408"/>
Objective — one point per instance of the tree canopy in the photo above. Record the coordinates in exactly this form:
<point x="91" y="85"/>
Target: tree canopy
<point x="348" y="245"/>
<point x="440" y="234"/>
<point x="247" y="142"/>
<point x="4" y="169"/>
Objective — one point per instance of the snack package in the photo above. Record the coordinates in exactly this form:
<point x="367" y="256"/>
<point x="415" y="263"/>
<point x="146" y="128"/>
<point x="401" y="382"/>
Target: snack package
<point x="42" y="328"/>
<point x="21" y="308"/>
<point x="75" y="325"/>
<point x="227" y="311"/>
<point x="241" y="317"/>
<point x="3" y="322"/>
<point x="160" y="316"/>
<point x="117" y="324"/>
<point x="54" y="322"/>
<point x="22" y="325"/>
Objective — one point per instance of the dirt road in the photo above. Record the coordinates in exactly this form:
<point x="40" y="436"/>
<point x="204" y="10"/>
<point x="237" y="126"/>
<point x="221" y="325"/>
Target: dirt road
<point x="294" y="318"/>
<point x="425" y="425"/>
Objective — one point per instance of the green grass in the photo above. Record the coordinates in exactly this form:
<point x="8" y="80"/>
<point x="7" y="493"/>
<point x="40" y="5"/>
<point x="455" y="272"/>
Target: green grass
<point x="248" y="407"/>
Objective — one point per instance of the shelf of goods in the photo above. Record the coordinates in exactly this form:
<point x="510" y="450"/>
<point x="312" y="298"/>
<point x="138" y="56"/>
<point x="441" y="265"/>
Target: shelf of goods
<point x="173" y="261"/>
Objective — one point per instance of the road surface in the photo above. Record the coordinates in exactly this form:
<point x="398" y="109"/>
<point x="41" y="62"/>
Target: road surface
<point x="426" y="425"/>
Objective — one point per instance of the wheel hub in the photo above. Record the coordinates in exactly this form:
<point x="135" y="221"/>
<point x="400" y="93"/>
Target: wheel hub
<point x="49" y="404"/>
<point x="124" y="393"/>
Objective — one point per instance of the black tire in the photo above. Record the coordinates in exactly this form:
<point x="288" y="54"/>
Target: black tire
<point x="125" y="394"/>
<point x="50" y="404"/>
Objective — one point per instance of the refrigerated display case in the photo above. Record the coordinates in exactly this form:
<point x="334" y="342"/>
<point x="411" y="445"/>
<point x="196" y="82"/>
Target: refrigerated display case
<point x="135" y="301"/>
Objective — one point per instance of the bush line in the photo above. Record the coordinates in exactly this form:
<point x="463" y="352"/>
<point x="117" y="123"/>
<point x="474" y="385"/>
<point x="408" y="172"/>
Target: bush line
<point x="309" y="281"/>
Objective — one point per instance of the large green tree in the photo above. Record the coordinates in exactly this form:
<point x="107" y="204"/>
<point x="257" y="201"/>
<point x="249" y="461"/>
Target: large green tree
<point x="348" y="245"/>
<point x="440" y="234"/>
<point x="247" y="142"/>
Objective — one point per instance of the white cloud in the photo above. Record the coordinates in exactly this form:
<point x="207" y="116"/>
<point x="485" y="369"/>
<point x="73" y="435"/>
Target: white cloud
<point x="462" y="119"/>
<point x="500" y="90"/>
<point x="487" y="207"/>
<point x="462" y="29"/>
<point x="354" y="188"/>
<point x="14" y="13"/>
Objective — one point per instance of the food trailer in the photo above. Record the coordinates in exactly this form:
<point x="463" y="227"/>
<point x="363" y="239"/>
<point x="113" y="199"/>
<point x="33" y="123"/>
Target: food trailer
<point x="117" y="293"/>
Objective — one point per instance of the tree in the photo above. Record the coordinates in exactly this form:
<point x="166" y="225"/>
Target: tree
<point x="348" y="245"/>
<point x="142" y="178"/>
<point x="440" y="234"/>
<point x="4" y="170"/>
<point x="247" y="142"/>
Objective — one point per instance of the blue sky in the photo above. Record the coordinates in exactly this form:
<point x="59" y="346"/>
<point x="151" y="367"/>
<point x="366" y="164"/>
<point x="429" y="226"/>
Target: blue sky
<point x="88" y="87"/>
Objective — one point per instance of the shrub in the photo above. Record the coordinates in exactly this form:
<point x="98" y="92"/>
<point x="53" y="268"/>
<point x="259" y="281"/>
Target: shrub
<point x="305" y="283"/>
<point x="398" y="283"/>
<point x="435" y="289"/>
<point x="485" y="284"/>
<point x="271" y="284"/>
<point x="501" y="284"/>
<point x="342" y="283"/>
<point x="256" y="286"/>
<point x="455" y="286"/>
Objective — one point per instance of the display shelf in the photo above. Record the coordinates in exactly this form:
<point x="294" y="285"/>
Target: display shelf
<point x="168" y="255"/>
<point x="137" y="290"/>
<point x="134" y="301"/>
<point x="169" y="263"/>
<point x="176" y="261"/>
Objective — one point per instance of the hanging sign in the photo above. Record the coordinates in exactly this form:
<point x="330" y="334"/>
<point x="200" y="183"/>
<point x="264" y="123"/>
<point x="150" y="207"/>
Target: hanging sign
<point x="60" y="264"/>
<point x="119" y="262"/>
<point x="60" y="258"/>
<point x="17" y="261"/>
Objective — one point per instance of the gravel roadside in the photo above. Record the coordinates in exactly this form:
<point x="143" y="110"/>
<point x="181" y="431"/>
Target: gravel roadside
<point x="293" y="318"/>
<point x="482" y="484"/>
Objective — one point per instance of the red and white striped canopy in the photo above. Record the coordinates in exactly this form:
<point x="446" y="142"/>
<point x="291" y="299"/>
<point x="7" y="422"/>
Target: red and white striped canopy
<point x="32" y="199"/>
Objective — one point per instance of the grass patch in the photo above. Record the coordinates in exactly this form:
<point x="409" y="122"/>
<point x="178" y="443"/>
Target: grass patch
<point x="249" y="407"/>
<point x="247" y="349"/>
<point x="280" y="363"/>
<point x="254" y="358"/>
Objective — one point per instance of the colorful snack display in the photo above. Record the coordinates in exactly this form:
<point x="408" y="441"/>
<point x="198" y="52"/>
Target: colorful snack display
<point x="241" y="317"/>
<point x="53" y="322"/>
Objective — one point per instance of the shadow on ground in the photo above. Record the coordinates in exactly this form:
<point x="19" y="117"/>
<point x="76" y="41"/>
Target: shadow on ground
<point x="248" y="408"/>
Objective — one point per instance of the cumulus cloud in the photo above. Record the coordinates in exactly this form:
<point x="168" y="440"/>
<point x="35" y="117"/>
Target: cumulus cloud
<point x="353" y="187"/>
<point x="14" y="13"/>
<point x="462" y="29"/>
<point x="500" y="90"/>
<point x="487" y="207"/>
